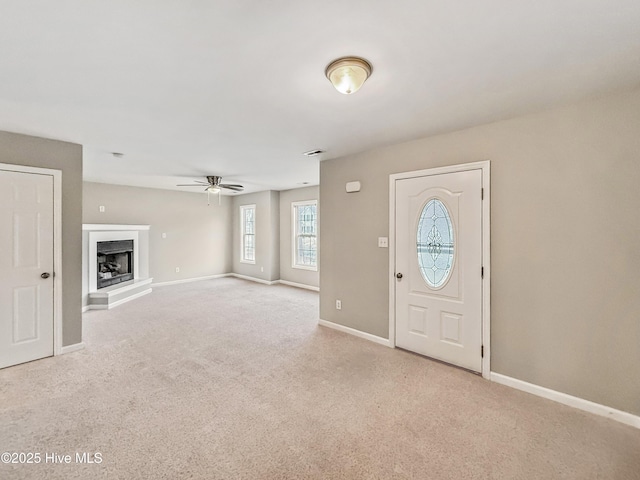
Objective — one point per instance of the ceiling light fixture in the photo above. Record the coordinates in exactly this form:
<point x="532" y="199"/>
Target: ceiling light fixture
<point x="348" y="74"/>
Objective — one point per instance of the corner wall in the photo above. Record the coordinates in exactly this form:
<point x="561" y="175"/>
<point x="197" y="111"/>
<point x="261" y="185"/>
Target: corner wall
<point x="287" y="272"/>
<point x="267" y="266"/>
<point x="44" y="153"/>
<point x="198" y="236"/>
<point x="564" y="230"/>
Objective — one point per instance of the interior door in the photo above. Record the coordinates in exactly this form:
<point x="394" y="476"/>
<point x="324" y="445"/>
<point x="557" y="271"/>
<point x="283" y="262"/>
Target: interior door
<point x="438" y="267"/>
<point x="26" y="267"/>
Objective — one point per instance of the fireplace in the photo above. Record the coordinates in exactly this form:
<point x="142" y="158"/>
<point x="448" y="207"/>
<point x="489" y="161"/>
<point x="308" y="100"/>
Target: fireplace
<point x="115" y="262"/>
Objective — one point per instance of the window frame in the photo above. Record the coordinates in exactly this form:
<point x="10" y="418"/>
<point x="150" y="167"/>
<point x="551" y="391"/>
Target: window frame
<point x="243" y="209"/>
<point x="294" y="235"/>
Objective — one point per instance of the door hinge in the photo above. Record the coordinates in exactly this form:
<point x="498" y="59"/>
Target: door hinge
<point x="481" y="272"/>
<point x="482" y="194"/>
<point x="482" y="351"/>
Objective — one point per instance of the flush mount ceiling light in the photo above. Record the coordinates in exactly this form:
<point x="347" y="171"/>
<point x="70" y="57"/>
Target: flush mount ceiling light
<point x="348" y="74"/>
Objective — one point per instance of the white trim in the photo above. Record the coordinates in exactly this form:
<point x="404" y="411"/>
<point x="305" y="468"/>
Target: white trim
<point x="484" y="166"/>
<point x="71" y="348"/>
<point x="570" y="400"/>
<point x="108" y="226"/>
<point x="294" y="235"/>
<point x="355" y="333"/>
<point x="237" y="275"/>
<point x="85" y="308"/>
<point x="299" y="285"/>
<point x="254" y="279"/>
<point x="57" y="245"/>
<point x="119" y="302"/>
<point x="302" y="267"/>
<point x="189" y="280"/>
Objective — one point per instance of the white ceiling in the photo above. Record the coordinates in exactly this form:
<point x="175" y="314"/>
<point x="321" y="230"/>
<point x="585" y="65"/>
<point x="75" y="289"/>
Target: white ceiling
<point x="236" y="87"/>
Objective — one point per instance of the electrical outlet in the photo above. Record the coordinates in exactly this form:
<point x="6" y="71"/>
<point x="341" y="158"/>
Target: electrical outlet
<point x="262" y="269"/>
<point x="177" y="269"/>
<point x="101" y="208"/>
<point x="383" y="242"/>
<point x="164" y="235"/>
<point x="338" y="305"/>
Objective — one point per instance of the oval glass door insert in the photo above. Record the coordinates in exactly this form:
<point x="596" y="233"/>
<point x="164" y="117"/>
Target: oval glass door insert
<point x="435" y="243"/>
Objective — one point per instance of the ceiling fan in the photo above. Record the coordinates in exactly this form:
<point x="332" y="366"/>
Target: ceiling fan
<point x="213" y="185"/>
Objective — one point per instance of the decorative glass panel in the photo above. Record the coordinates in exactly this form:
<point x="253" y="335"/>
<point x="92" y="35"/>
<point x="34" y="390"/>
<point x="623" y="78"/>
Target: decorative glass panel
<point x="435" y="243"/>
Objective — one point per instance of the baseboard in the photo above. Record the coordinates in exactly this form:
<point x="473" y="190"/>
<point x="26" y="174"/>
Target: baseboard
<point x="299" y="285"/>
<point x="71" y="348"/>
<point x="119" y="302"/>
<point x="189" y="280"/>
<point x="237" y="275"/>
<point x="357" y="333"/>
<point x="254" y="279"/>
<point x="570" y="400"/>
<point x="85" y="309"/>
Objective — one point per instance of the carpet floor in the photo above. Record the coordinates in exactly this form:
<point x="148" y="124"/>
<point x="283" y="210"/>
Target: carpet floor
<point x="228" y="379"/>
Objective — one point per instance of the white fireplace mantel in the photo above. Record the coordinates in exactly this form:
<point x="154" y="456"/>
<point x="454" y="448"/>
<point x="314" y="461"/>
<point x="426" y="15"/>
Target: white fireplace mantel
<point x="107" y="227"/>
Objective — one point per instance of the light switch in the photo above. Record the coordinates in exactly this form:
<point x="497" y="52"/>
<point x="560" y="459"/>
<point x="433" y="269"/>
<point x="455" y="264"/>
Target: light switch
<point x="101" y="208"/>
<point x="383" y="242"/>
<point x="164" y="235"/>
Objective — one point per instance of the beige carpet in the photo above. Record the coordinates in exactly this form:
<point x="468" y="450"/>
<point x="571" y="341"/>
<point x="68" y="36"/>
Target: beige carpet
<point x="226" y="379"/>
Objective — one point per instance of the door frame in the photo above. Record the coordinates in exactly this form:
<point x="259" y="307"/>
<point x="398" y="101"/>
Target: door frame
<point x="57" y="244"/>
<point x="484" y="167"/>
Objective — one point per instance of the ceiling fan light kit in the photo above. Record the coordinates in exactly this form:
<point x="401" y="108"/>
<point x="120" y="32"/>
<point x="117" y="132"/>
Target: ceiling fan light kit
<point x="348" y="74"/>
<point x="213" y="185"/>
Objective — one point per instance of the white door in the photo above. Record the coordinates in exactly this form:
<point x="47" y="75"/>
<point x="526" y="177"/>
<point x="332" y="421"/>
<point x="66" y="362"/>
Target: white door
<point x="26" y="258"/>
<point x="438" y="252"/>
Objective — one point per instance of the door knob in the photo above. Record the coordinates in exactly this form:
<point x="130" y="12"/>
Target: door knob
<point x="398" y="276"/>
<point x="45" y="275"/>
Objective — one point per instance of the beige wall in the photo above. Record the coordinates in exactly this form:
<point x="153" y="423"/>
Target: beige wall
<point x="39" y="152"/>
<point x="565" y="242"/>
<point x="287" y="272"/>
<point x="198" y="235"/>
<point x="267" y="266"/>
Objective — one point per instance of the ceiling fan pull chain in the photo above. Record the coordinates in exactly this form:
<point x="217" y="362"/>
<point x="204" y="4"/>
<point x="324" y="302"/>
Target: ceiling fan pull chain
<point x="208" y="202"/>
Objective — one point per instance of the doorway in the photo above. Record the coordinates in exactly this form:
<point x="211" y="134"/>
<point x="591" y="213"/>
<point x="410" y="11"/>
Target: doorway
<point x="439" y="264"/>
<point x="30" y="277"/>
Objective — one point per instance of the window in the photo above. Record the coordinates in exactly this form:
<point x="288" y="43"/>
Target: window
<point x="248" y="234"/>
<point x="305" y="246"/>
<point x="435" y="243"/>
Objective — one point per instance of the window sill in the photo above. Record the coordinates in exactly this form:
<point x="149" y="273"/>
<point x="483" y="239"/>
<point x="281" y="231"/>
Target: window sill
<point x="250" y="262"/>
<point x="304" y="267"/>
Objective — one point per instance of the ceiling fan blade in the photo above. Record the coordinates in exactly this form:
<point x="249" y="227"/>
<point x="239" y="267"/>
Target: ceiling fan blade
<point x="230" y="186"/>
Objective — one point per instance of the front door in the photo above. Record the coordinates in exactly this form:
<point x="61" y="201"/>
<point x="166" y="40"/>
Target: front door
<point x="26" y="267"/>
<point x="438" y="267"/>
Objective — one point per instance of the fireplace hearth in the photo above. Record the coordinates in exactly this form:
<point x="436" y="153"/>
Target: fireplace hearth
<point x="115" y="262"/>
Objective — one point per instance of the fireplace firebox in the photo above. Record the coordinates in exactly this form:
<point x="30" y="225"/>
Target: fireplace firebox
<point x="115" y="262"/>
